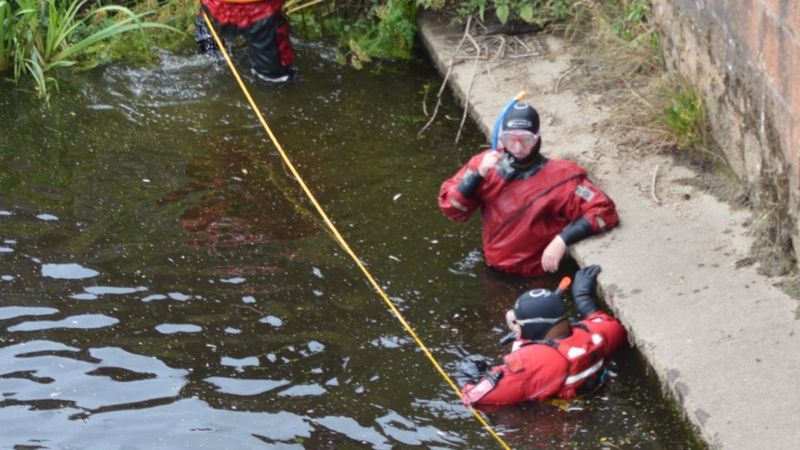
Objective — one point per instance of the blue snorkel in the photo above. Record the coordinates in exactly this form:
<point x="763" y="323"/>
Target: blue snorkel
<point x="499" y="123"/>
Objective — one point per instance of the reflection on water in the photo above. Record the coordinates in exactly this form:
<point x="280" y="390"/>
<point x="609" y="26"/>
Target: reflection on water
<point x="69" y="271"/>
<point x="81" y="322"/>
<point x="164" y="284"/>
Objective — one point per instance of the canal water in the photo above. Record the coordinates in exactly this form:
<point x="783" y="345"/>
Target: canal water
<point x="164" y="283"/>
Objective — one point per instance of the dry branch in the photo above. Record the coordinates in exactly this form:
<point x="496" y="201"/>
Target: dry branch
<point x="653" y="185"/>
<point x="446" y="77"/>
<point x="469" y="88"/>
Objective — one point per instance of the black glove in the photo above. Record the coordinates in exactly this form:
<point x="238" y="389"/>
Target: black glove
<point x="473" y="367"/>
<point x="583" y="290"/>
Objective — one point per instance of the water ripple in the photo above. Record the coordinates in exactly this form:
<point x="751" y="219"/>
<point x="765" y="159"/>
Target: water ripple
<point x="189" y="423"/>
<point x="70" y="271"/>
<point x="112" y="290"/>
<point x="407" y="432"/>
<point x="304" y="390"/>
<point x="245" y="387"/>
<point x="271" y="320"/>
<point x="47" y="217"/>
<point x="12" y="312"/>
<point x="352" y="429"/>
<point x="173" y="328"/>
<point x="240" y="363"/>
<point x="73" y="378"/>
<point x="81" y="322"/>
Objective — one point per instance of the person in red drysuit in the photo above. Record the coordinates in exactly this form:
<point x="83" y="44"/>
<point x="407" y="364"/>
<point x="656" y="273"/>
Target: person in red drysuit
<point x="264" y="28"/>
<point x="532" y="207"/>
<point x="551" y="357"/>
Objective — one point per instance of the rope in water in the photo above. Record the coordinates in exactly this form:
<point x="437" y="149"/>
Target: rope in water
<point x="339" y="239"/>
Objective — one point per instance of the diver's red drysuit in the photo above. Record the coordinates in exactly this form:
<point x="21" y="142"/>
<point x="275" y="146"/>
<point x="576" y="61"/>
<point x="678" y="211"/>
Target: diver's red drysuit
<point x="260" y="22"/>
<point x="524" y="209"/>
<point x="562" y="368"/>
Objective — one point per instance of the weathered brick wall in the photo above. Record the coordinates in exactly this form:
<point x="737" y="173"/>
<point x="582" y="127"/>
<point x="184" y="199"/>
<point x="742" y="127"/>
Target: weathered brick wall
<point x="743" y="56"/>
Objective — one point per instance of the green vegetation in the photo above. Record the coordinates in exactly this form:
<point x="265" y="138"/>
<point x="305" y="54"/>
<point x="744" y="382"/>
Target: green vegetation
<point x="663" y="108"/>
<point x="685" y="119"/>
<point x="382" y="29"/>
<point x="137" y="47"/>
<point x="6" y="41"/>
<point x="622" y="31"/>
<point x="632" y="21"/>
<point x="37" y="37"/>
<point x="531" y="11"/>
<point x="370" y="29"/>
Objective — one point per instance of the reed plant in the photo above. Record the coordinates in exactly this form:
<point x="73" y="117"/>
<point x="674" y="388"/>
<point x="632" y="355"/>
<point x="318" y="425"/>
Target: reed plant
<point x="39" y="36"/>
<point x="5" y="35"/>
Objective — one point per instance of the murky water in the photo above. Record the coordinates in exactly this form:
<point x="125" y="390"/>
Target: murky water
<point x="164" y="283"/>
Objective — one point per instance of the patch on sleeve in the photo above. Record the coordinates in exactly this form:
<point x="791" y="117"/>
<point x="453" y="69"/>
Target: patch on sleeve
<point x="584" y="192"/>
<point x="458" y="204"/>
<point x="474" y="395"/>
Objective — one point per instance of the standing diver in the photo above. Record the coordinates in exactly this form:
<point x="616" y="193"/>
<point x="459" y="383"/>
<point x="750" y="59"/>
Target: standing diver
<point x="264" y="28"/>
<point x="532" y="207"/>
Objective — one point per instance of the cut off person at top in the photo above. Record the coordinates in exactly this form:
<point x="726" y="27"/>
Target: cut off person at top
<point x="262" y="25"/>
<point x="532" y="207"/>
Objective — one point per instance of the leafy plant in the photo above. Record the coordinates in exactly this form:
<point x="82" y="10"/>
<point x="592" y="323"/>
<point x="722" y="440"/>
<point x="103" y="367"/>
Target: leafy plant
<point x="528" y="10"/>
<point x="179" y="14"/>
<point x="318" y="23"/>
<point x="685" y="119"/>
<point x="43" y="35"/>
<point x="391" y="35"/>
<point x="634" y="19"/>
<point x="368" y="29"/>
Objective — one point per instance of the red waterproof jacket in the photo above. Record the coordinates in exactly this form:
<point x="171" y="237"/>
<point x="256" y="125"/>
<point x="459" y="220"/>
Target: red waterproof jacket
<point x="242" y="13"/>
<point x="538" y="370"/>
<point x="523" y="210"/>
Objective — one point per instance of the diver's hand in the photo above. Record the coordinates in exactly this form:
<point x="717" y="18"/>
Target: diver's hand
<point x="488" y="162"/>
<point x="553" y="253"/>
<point x="583" y="289"/>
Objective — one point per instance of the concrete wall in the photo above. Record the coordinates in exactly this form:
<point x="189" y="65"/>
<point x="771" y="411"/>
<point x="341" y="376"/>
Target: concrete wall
<point x="743" y="56"/>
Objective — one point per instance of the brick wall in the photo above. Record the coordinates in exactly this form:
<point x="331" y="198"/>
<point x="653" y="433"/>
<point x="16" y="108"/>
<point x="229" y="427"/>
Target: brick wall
<point x="743" y="56"/>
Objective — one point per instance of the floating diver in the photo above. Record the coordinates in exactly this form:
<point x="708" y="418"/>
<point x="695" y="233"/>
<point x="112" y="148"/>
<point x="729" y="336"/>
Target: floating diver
<point x="550" y="357"/>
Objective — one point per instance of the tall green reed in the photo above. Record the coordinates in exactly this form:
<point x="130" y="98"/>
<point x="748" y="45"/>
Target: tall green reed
<point x="39" y="36"/>
<point x="6" y="41"/>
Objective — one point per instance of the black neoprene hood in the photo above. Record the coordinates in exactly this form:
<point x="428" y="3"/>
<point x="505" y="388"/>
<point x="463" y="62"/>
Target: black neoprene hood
<point x="522" y="116"/>
<point x="537" y="311"/>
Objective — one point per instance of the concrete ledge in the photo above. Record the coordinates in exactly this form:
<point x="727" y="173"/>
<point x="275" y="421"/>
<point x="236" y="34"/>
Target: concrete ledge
<point x="723" y="341"/>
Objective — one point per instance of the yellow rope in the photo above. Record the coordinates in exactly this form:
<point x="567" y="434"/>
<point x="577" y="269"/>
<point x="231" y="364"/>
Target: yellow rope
<point x="339" y="239"/>
<point x="292" y="10"/>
